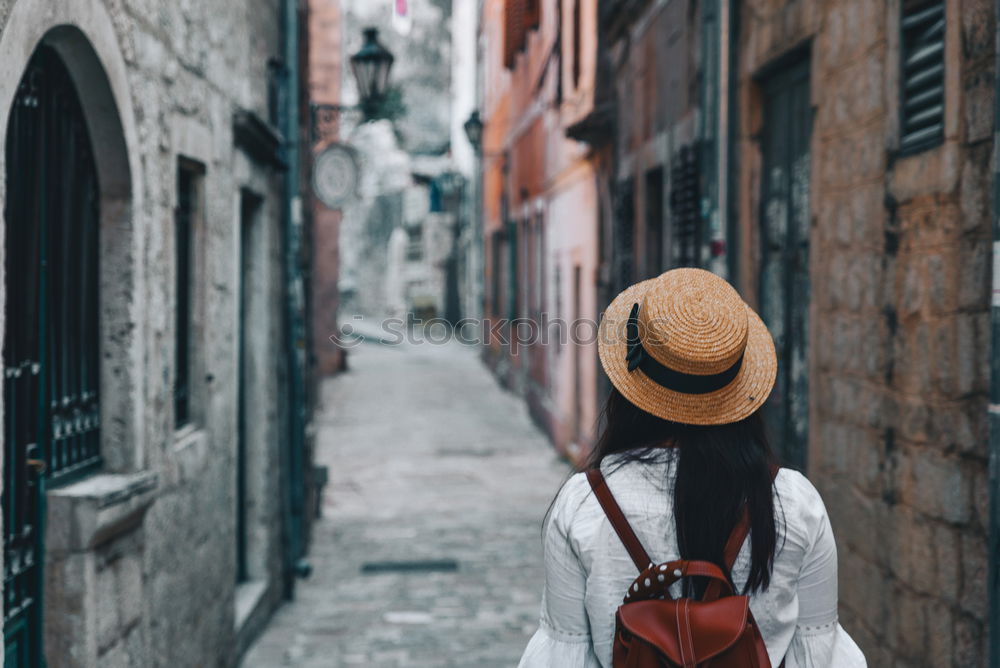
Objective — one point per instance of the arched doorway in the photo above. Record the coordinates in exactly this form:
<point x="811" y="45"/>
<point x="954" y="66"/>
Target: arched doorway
<point x="51" y="352"/>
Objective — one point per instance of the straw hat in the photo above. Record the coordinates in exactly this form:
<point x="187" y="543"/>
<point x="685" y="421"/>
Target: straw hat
<point x="685" y="347"/>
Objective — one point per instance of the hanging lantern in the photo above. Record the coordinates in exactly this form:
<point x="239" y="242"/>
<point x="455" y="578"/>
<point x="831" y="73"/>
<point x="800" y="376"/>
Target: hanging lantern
<point x="474" y="129"/>
<point x="371" y="66"/>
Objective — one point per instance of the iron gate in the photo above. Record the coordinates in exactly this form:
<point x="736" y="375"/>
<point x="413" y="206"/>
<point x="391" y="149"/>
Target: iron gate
<point x="784" y="272"/>
<point x="50" y="352"/>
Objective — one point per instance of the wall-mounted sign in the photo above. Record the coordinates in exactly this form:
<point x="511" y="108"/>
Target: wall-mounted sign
<point x="335" y="175"/>
<point x="402" y="19"/>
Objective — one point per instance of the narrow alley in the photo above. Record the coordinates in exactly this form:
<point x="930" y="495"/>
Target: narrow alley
<point x="430" y="461"/>
<point x="202" y="199"/>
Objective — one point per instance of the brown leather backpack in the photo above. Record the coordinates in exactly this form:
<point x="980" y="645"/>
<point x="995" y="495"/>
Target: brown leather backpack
<point x="653" y="630"/>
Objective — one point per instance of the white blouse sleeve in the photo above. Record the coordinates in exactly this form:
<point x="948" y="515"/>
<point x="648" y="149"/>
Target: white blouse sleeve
<point x="819" y="640"/>
<point x="563" y="636"/>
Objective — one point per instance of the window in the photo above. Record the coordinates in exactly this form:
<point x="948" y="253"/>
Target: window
<point x="557" y="285"/>
<point x="538" y="287"/>
<point x="922" y="76"/>
<point x="530" y="266"/>
<point x="514" y="31"/>
<point x="624" y="243"/>
<point x="415" y="243"/>
<point x="532" y="13"/>
<point x="186" y="217"/>
<point x="576" y="44"/>
<point x="437" y="200"/>
<point x="51" y="351"/>
<point x="526" y="267"/>
<point x="684" y="208"/>
<point x="496" y="260"/>
<point x="540" y="265"/>
<point x="246" y="419"/>
<point x="513" y="293"/>
<point x="654" y="222"/>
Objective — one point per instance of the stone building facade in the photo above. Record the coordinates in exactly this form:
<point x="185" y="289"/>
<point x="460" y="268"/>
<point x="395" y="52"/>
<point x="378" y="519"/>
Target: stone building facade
<point x="542" y="200"/>
<point x="399" y="239"/>
<point x="152" y="490"/>
<point x="833" y="160"/>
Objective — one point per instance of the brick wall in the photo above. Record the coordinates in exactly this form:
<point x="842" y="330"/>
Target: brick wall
<point x="899" y="343"/>
<point x="325" y="68"/>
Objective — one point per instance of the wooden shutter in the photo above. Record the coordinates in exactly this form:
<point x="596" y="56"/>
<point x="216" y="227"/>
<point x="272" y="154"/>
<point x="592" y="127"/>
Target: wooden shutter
<point x="532" y="14"/>
<point x="922" y="76"/>
<point x="514" y="30"/>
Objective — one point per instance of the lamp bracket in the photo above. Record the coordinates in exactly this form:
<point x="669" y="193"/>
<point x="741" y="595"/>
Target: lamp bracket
<point x="325" y="119"/>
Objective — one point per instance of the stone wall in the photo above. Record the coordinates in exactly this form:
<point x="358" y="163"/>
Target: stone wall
<point x="158" y="588"/>
<point x="899" y="343"/>
<point x="399" y="158"/>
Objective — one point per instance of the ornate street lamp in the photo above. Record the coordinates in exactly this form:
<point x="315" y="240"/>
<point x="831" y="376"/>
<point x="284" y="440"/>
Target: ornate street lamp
<point x="335" y="169"/>
<point x="371" y="66"/>
<point x="474" y="129"/>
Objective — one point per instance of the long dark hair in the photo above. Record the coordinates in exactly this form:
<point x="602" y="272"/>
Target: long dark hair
<point x="720" y="468"/>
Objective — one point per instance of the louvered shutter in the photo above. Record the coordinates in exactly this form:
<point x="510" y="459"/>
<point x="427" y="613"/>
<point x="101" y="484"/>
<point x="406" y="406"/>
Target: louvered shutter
<point x="922" y="76"/>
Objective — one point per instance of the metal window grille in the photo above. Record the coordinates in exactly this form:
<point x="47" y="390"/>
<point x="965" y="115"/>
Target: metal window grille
<point x="922" y="76"/>
<point x="685" y="196"/>
<point x="51" y="349"/>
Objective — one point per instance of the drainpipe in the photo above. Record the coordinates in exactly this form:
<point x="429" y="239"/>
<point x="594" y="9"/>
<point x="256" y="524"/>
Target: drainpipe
<point x="994" y="411"/>
<point x="712" y="121"/>
<point x="294" y="304"/>
<point x="722" y="143"/>
<point x="729" y="174"/>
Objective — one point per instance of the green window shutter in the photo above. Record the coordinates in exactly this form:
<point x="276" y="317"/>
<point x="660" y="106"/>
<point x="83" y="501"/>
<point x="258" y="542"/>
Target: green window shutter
<point x="922" y="76"/>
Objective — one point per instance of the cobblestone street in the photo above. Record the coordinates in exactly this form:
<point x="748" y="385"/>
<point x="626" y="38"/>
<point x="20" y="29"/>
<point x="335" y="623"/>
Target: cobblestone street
<point x="430" y="461"/>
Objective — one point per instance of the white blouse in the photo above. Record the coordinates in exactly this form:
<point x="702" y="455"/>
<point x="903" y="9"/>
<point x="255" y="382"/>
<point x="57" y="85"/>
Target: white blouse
<point x="587" y="570"/>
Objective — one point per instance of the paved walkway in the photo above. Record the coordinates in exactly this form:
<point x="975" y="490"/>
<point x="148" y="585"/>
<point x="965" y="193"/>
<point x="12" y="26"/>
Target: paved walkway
<point x="429" y="460"/>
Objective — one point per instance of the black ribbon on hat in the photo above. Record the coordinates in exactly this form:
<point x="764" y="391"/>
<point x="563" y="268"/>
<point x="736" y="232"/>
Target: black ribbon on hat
<point x="639" y="358"/>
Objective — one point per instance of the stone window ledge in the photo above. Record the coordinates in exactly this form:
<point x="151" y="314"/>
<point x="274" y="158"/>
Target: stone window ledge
<point x="247" y="599"/>
<point x="96" y="509"/>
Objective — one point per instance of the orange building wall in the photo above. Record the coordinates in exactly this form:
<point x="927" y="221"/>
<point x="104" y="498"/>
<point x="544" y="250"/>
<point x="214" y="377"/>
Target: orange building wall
<point x="325" y="57"/>
<point x="548" y="180"/>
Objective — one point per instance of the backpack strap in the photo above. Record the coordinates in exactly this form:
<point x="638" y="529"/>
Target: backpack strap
<point x="634" y="546"/>
<point x="617" y="518"/>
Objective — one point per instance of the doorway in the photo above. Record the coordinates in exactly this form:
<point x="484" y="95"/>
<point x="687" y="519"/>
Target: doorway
<point x="51" y="352"/>
<point x="784" y="269"/>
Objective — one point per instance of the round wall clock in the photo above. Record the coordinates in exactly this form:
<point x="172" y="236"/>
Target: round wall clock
<point x="335" y="175"/>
